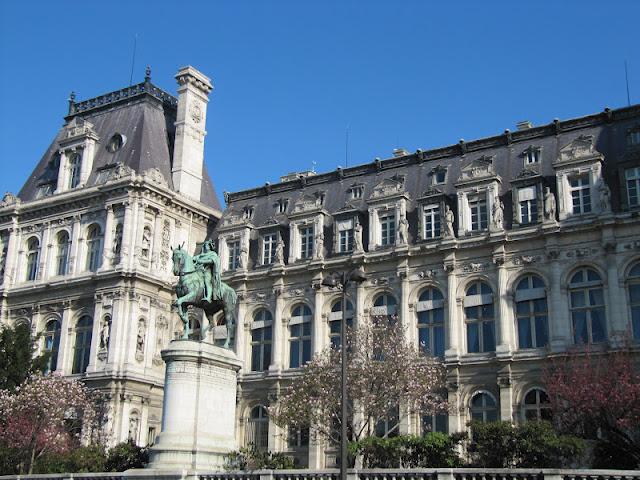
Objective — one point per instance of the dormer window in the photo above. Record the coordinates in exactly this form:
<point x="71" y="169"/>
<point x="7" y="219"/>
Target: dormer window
<point x="282" y="205"/>
<point x="75" y="162"/>
<point x="44" y="190"/>
<point x="580" y="188"/>
<point x="478" y="213"/>
<point x="357" y="192"/>
<point x="439" y="175"/>
<point x="247" y="212"/>
<point x="115" y="143"/>
<point x="531" y="156"/>
<point x="633" y="137"/>
<point x="632" y="177"/>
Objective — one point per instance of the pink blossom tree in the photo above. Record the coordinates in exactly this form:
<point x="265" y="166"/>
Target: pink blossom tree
<point x="47" y="414"/>
<point x="598" y="394"/>
<point x="384" y="372"/>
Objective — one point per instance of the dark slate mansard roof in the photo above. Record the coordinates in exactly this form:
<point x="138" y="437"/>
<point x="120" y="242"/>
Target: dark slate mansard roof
<point x="609" y="129"/>
<point x="144" y="115"/>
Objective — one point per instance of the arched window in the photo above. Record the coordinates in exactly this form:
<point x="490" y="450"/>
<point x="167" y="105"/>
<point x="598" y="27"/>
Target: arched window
<point x="385" y="305"/>
<point x="531" y="312"/>
<point x="586" y="299"/>
<point x="430" y="311"/>
<point x="335" y="321"/>
<point x="52" y="344"/>
<point x="82" y="347"/>
<point x="484" y="408"/>
<point x="94" y="247"/>
<point x="299" y="336"/>
<point x="33" y="257"/>
<point x="536" y="405"/>
<point x="298" y="437"/>
<point x="634" y="300"/>
<point x="479" y="317"/>
<point x="62" y="253"/>
<point x="74" y="170"/>
<point x="257" y="432"/>
<point x="261" y="339"/>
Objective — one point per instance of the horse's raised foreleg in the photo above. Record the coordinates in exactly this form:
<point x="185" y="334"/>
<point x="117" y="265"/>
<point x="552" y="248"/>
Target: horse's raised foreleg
<point x="181" y="304"/>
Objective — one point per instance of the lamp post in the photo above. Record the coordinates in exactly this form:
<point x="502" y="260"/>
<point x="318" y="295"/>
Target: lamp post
<point x="355" y="275"/>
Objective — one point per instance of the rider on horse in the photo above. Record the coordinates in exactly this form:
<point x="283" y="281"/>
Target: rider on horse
<point x="209" y="260"/>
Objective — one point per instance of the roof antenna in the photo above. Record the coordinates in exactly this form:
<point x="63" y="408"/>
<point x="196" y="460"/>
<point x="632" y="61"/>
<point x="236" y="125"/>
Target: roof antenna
<point x="626" y="76"/>
<point x="346" y="147"/>
<point x="133" y="58"/>
<point x="313" y="166"/>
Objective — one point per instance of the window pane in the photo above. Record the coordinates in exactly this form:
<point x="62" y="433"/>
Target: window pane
<point x="524" y="333"/>
<point x="294" y="354"/>
<point x="488" y="339"/>
<point x="473" y="339"/>
<point x="580" y="334"/>
<point x="635" y="319"/>
<point x="598" y="329"/>
<point x="438" y="347"/>
<point x="596" y="297"/>
<point x="541" y="331"/>
<point x="266" y="357"/>
<point x="577" y="299"/>
<point x="634" y="293"/>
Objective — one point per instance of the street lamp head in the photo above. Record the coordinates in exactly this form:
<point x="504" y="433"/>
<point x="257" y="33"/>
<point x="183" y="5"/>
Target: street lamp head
<point x="358" y="275"/>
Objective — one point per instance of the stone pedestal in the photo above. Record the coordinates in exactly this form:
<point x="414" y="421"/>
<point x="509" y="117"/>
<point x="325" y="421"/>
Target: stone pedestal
<point x="199" y="407"/>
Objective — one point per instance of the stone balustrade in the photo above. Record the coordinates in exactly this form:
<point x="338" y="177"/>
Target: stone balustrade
<point x="365" y="474"/>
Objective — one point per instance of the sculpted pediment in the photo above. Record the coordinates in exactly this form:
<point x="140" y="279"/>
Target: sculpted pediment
<point x="478" y="169"/>
<point x="307" y="202"/>
<point x="431" y="192"/>
<point x="79" y="127"/>
<point x="233" y="218"/>
<point x="388" y="187"/>
<point x="578" y="150"/>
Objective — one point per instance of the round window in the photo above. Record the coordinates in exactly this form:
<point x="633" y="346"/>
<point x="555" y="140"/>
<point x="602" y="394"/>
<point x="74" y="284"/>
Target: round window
<point x="115" y="143"/>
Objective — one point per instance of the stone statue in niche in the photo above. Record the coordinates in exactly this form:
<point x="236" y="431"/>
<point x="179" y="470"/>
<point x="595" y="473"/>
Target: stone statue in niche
<point x="133" y="427"/>
<point x="449" y="218"/>
<point x="498" y="214"/>
<point x="117" y="240"/>
<point x="146" y="242"/>
<point x="357" y="238"/>
<point x="403" y="231"/>
<point x="243" y="259"/>
<point x="319" y="246"/>
<point x="549" y="205"/>
<point x="280" y="251"/>
<point x="605" y="196"/>
<point x="105" y="330"/>
<point x="140" y="340"/>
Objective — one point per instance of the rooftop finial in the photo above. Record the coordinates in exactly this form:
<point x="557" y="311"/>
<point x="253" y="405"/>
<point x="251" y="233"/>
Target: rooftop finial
<point x="72" y="101"/>
<point x="147" y="74"/>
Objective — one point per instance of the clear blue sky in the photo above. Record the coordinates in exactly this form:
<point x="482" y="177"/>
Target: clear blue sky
<point x="290" y="76"/>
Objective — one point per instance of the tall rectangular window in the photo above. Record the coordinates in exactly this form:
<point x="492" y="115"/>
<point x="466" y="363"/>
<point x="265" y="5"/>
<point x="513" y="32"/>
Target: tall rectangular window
<point x="306" y="242"/>
<point x="269" y="242"/>
<point x="632" y="177"/>
<point x="261" y="349"/>
<point x="580" y="189"/>
<point x="234" y="254"/>
<point x="527" y="205"/>
<point x="387" y="229"/>
<point x="299" y="344"/>
<point x="478" y="210"/>
<point x="345" y="236"/>
<point x="431" y="221"/>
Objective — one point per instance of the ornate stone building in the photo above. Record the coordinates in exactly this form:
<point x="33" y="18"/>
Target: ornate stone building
<point x="86" y="244"/>
<point x="495" y="254"/>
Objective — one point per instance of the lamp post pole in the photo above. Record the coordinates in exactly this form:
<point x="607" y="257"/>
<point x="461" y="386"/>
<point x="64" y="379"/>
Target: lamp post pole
<point x="356" y="275"/>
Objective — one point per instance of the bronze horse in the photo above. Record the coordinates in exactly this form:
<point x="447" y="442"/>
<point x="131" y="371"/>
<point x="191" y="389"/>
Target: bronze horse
<point x="190" y="291"/>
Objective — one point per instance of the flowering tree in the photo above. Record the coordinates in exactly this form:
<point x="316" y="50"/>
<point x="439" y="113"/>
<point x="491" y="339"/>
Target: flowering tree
<point x="598" y="394"/>
<point x="384" y="372"/>
<point x="46" y="414"/>
<point x="18" y="360"/>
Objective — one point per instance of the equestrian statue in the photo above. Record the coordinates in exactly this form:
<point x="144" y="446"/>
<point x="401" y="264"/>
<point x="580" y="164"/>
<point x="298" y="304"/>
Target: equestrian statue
<point x="200" y="285"/>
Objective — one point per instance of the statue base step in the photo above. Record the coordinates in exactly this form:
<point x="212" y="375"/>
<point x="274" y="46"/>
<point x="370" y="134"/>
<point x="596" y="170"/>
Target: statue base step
<point x="199" y="407"/>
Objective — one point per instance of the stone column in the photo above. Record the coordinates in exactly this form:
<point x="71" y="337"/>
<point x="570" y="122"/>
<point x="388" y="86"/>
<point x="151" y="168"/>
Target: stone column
<point x="559" y="321"/>
<point x="506" y="397"/>
<point x="407" y="316"/>
<point x="47" y="253"/>
<point x="319" y="339"/>
<point x="95" y="333"/>
<point x="65" y="348"/>
<point x="242" y="336"/>
<point x="505" y="331"/>
<point x="277" y="347"/>
<point x="11" y="259"/>
<point x="156" y="244"/>
<point x="617" y="318"/>
<point x="198" y="418"/>
<point x="126" y="248"/>
<point x="454" y="322"/>
<point x="76" y="248"/>
<point x="109" y="231"/>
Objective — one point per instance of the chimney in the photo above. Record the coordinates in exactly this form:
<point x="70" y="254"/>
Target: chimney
<point x="400" y="152"/>
<point x="524" y="125"/>
<point x="188" y="150"/>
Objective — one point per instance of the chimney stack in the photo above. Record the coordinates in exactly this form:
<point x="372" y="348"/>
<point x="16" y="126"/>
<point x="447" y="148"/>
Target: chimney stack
<point x="188" y="150"/>
<point x="524" y="125"/>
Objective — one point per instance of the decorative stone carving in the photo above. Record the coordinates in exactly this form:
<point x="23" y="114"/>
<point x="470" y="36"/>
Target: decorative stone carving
<point x="279" y="260"/>
<point x="307" y="203"/>
<point x="479" y="168"/>
<point x="429" y="274"/>
<point x="402" y="236"/>
<point x="140" y="340"/>
<point x="605" y="196"/>
<point x="474" y="267"/>
<point x="319" y="246"/>
<point x="549" y="205"/>
<point x="243" y="258"/>
<point x="579" y="149"/>
<point x="449" y="217"/>
<point x="119" y="171"/>
<point x="357" y="238"/>
<point x="9" y="199"/>
<point x="525" y="259"/>
<point x="105" y="331"/>
<point x="389" y="186"/>
<point x="498" y="214"/>
<point x="166" y="239"/>
<point x="162" y="329"/>
<point x="145" y="250"/>
<point x="156" y="176"/>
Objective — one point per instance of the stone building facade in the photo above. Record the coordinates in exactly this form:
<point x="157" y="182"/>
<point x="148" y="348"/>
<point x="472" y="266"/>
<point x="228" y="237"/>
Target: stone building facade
<point x="495" y="254"/>
<point x="86" y="243"/>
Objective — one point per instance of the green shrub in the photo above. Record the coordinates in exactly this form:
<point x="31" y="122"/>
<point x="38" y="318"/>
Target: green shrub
<point x="90" y="458"/>
<point x="408" y="451"/>
<point x="253" y="459"/>
<point x="531" y="445"/>
<point x="126" y="455"/>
